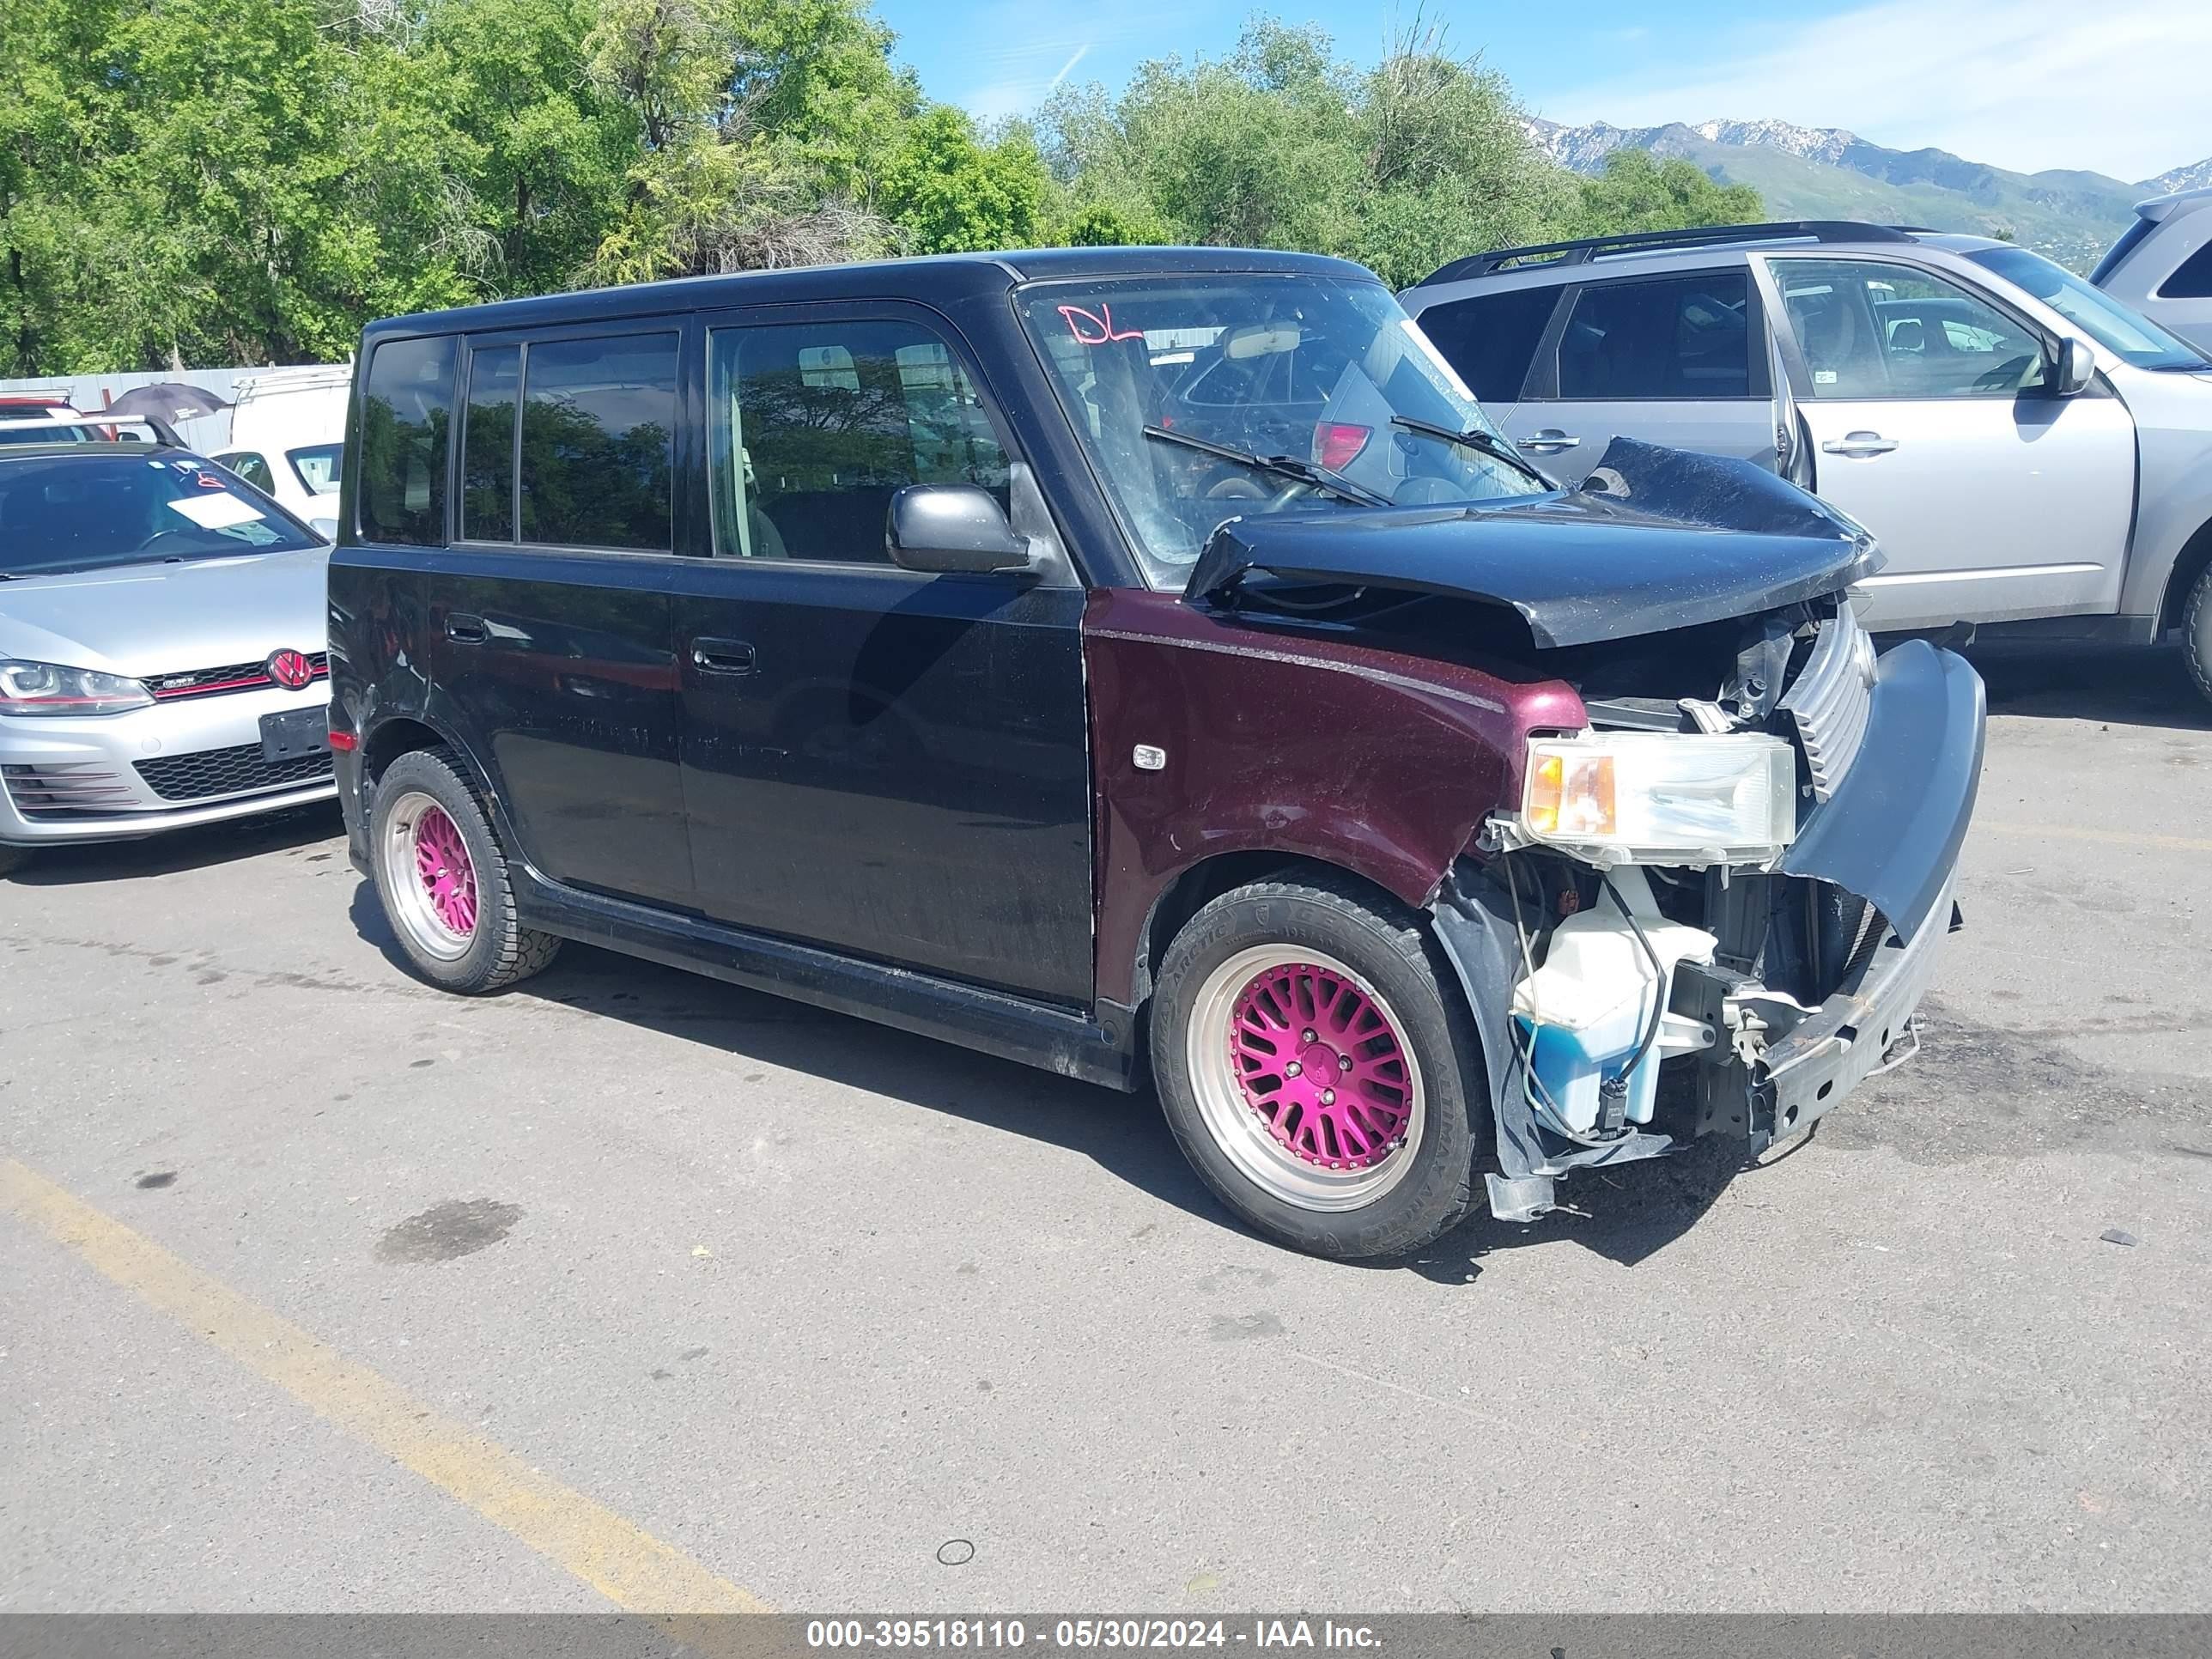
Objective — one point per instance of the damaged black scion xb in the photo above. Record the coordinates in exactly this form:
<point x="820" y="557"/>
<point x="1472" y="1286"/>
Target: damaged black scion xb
<point x="1149" y="664"/>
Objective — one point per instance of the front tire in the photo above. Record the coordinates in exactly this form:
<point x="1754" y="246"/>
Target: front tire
<point x="2197" y="632"/>
<point x="1318" y="1069"/>
<point x="442" y="878"/>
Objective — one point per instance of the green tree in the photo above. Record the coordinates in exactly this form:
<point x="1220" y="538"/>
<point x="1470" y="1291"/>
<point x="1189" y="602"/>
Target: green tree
<point x="1638" y="191"/>
<point x="951" y="193"/>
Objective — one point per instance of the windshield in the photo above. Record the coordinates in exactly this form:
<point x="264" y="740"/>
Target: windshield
<point x="64" y="512"/>
<point x="316" y="466"/>
<point x="1313" y="374"/>
<point x="2097" y="313"/>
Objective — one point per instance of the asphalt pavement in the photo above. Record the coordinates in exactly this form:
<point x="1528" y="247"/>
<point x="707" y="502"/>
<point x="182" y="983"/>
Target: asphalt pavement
<point x="321" y="1291"/>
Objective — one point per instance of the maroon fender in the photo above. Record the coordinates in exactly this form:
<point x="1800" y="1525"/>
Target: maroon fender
<point x="1377" y="761"/>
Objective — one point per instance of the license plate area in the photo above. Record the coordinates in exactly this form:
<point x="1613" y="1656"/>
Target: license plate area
<point x="295" y="732"/>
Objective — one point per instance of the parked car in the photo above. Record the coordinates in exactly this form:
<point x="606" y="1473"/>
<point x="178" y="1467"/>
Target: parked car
<point x="29" y="419"/>
<point x="161" y="643"/>
<point x="860" y="634"/>
<point x="2161" y="265"/>
<point x="288" y="437"/>
<point x="2035" y="458"/>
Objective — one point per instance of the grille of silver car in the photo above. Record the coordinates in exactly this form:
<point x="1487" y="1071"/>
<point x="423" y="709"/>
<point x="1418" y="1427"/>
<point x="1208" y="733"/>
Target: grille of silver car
<point x="66" y="789"/>
<point x="238" y="676"/>
<point x="236" y="771"/>
<point x="1833" y="698"/>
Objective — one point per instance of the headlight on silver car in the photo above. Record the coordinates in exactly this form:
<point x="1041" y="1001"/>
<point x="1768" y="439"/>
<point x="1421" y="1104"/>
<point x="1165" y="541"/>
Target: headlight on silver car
<point x="45" y="688"/>
<point x="1663" y="796"/>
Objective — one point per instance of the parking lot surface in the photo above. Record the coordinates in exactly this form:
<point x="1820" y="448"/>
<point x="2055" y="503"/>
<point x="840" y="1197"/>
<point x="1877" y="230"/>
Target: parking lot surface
<point x="324" y="1291"/>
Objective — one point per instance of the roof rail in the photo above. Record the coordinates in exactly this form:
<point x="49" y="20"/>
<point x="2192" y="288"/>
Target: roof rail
<point x="1582" y="251"/>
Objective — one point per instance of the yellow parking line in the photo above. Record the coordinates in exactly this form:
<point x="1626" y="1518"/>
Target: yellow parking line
<point x="2114" y="837"/>
<point x="625" y="1564"/>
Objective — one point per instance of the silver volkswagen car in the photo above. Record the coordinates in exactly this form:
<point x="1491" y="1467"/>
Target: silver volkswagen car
<point x="161" y="642"/>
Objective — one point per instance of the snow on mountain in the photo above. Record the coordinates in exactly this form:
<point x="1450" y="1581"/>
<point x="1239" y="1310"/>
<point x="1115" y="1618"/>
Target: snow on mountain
<point x="2195" y="177"/>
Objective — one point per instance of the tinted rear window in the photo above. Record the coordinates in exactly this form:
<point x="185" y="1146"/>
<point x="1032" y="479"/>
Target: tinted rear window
<point x="1490" y="338"/>
<point x="598" y="423"/>
<point x="487" y="444"/>
<point x="405" y="411"/>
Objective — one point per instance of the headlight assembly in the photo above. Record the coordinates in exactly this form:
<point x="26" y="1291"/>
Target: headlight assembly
<point x="44" y="688"/>
<point x="1661" y="798"/>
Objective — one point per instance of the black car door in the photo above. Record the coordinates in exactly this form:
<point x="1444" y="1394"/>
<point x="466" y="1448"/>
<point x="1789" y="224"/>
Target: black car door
<point x="550" y="619"/>
<point x="892" y="764"/>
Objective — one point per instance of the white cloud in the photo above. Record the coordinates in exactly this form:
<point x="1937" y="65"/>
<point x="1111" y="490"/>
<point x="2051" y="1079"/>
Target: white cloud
<point x="2117" y="86"/>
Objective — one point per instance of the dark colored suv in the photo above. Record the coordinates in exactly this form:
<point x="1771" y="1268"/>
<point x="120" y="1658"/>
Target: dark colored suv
<point x="923" y="640"/>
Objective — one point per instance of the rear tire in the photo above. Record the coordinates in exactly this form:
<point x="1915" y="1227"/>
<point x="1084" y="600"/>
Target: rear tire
<point x="2197" y="632"/>
<point x="442" y="878"/>
<point x="1319" y="1069"/>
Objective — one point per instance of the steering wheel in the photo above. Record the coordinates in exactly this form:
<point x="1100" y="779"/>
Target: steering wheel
<point x="147" y="546"/>
<point x="1236" y="487"/>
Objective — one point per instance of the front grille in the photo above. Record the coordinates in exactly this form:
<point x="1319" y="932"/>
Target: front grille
<point x="238" y="677"/>
<point x="1833" y="698"/>
<point x="238" y="771"/>
<point x="67" y="789"/>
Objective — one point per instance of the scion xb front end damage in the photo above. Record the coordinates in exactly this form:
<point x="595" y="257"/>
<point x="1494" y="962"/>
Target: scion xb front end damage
<point x="1712" y="911"/>
<point x="1820" y="957"/>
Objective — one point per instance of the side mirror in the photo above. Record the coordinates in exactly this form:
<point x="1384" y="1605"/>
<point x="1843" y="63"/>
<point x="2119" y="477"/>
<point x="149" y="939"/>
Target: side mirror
<point x="2077" y="367"/>
<point x="953" y="527"/>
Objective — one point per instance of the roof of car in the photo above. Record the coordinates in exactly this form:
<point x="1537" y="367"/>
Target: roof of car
<point x="940" y="278"/>
<point x="92" y="446"/>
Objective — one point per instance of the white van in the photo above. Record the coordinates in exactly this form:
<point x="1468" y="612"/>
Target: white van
<point x="287" y="438"/>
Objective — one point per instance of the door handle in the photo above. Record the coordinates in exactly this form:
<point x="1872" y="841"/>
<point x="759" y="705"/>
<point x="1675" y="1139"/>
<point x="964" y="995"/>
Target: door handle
<point x="722" y="656"/>
<point x="1549" y="438"/>
<point x="1859" y="443"/>
<point x="466" y="630"/>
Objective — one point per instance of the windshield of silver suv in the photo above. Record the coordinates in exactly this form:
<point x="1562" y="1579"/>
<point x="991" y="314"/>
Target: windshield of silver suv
<point x="1200" y="398"/>
<point x="79" y="512"/>
<point x="2097" y="313"/>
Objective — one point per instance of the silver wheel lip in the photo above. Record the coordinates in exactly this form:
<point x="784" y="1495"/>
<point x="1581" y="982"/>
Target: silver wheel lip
<point x="1239" y="1133"/>
<point x="408" y="905"/>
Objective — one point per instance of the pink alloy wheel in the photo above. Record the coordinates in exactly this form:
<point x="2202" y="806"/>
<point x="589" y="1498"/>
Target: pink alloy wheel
<point x="1322" y="1066"/>
<point x="449" y="880"/>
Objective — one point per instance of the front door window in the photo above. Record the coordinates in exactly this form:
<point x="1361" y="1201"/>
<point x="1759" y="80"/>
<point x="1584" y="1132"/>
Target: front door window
<point x="814" y="426"/>
<point x="1868" y="329"/>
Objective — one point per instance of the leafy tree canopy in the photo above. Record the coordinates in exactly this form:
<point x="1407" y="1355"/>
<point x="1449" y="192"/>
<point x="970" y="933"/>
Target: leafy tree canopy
<point x="186" y="184"/>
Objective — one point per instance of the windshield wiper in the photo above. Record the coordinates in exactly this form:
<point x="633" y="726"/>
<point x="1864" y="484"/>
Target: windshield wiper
<point x="1476" y="439"/>
<point x="1281" y="466"/>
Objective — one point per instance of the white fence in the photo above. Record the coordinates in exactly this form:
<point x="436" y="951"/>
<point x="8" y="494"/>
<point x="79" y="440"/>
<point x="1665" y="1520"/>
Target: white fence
<point x="90" y="391"/>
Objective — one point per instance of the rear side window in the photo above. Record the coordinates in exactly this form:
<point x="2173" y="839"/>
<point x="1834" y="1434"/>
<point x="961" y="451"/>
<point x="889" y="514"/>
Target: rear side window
<point x="1490" y="338"/>
<point x="1682" y="337"/>
<point x="404" y="415"/>
<point x="487" y="444"/>
<point x="599" y="437"/>
<point x="814" y="426"/>
<point x="2192" y="278"/>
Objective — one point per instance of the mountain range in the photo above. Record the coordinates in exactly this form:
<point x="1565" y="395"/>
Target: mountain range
<point x="1827" y="172"/>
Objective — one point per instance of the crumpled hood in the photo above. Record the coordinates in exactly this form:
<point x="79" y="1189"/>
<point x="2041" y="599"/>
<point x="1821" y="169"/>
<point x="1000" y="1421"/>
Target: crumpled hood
<point x="1655" y="539"/>
<point x="143" y="619"/>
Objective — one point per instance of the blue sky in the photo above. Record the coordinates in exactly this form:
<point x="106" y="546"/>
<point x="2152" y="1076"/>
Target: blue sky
<point x="2117" y="86"/>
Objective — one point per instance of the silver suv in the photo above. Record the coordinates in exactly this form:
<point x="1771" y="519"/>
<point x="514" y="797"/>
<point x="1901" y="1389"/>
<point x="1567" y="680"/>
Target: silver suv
<point x="2162" y="265"/>
<point x="2034" y="457"/>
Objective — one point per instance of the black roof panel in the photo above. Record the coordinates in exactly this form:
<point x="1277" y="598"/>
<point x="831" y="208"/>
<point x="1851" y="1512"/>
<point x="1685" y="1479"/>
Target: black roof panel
<point x="937" y="278"/>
